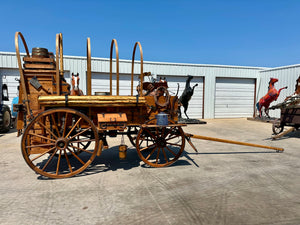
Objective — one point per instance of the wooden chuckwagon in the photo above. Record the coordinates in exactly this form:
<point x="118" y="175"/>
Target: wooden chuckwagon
<point x="62" y="134"/>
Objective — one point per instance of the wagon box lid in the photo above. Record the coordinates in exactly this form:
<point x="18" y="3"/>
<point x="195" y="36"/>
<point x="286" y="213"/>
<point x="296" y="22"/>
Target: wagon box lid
<point x="111" y="117"/>
<point x="92" y="101"/>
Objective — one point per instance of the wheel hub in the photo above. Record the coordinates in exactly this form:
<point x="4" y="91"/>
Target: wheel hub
<point x="161" y="142"/>
<point x="61" y="143"/>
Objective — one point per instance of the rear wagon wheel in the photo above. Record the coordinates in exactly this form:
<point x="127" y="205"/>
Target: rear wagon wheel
<point x="60" y="143"/>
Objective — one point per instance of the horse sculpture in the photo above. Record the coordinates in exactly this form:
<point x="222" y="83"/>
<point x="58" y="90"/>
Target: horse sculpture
<point x="75" y="85"/>
<point x="186" y="96"/>
<point x="271" y="96"/>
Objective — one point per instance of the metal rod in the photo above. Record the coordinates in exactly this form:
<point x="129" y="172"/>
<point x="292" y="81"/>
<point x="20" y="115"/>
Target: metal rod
<point x="22" y="79"/>
<point x="89" y="68"/>
<point x="132" y="68"/>
<point x="114" y="42"/>
<point x="59" y="61"/>
<point x="232" y="142"/>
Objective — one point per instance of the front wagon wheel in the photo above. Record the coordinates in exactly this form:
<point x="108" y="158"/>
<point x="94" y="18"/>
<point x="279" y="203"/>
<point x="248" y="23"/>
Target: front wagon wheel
<point x="160" y="146"/>
<point x="60" y="143"/>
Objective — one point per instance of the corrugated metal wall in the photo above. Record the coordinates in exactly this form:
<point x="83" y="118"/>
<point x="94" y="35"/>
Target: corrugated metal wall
<point x="209" y="73"/>
<point x="286" y="75"/>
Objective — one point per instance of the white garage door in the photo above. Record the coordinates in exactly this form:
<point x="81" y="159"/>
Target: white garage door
<point x="100" y="83"/>
<point x="234" y="97"/>
<point x="196" y="103"/>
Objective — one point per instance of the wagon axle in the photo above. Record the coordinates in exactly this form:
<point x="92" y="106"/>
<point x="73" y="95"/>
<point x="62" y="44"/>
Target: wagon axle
<point x="61" y="143"/>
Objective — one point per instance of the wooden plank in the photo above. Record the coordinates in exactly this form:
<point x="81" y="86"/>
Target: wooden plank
<point x="39" y="66"/>
<point x="91" y="104"/>
<point x="39" y="71"/>
<point x="93" y="98"/>
<point x="45" y="60"/>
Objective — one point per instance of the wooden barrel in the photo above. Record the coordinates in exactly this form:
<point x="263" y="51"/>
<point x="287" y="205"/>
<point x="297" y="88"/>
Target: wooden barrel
<point x="40" y="53"/>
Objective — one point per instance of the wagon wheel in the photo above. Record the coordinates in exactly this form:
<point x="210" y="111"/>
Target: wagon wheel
<point x="5" y="116"/>
<point x="277" y="127"/>
<point x="50" y="143"/>
<point x="132" y="134"/>
<point x="160" y="146"/>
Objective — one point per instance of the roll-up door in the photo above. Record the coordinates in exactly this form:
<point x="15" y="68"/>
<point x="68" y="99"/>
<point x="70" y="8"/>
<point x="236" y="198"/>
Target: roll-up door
<point x="234" y="97"/>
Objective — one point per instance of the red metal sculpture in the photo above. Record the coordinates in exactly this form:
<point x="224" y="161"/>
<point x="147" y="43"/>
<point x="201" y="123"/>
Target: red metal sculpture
<point x="271" y="96"/>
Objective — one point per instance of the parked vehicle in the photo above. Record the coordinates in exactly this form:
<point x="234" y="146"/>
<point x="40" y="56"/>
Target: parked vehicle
<point x="5" y="113"/>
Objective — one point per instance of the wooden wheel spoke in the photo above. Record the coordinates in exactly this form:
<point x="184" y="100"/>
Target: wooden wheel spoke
<point x="55" y="125"/>
<point x="58" y="162"/>
<point x="165" y="155"/>
<point x="81" y="132"/>
<point x="81" y="144"/>
<point x="151" y="134"/>
<point x="172" y="137"/>
<point x="173" y="144"/>
<point x="65" y="124"/>
<point x="79" y="159"/>
<point x="40" y="136"/>
<point x="75" y="125"/>
<point x="41" y="145"/>
<point x="169" y="131"/>
<point x="51" y="149"/>
<point x="44" y="126"/>
<point x="170" y="150"/>
<point x="49" y="160"/>
<point x="151" y="153"/>
<point x="157" y="156"/>
<point x="81" y="149"/>
<point x="82" y="140"/>
<point x="68" y="161"/>
<point x="143" y="149"/>
<point x="163" y="130"/>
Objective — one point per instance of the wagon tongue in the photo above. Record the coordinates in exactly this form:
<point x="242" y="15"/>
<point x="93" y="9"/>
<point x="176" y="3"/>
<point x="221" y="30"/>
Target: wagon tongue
<point x="188" y="136"/>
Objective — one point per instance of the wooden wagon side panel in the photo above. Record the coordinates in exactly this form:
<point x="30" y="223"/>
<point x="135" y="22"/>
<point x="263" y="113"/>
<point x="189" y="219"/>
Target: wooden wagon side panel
<point x="291" y="115"/>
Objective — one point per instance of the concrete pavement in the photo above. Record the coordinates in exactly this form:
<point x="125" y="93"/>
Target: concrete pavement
<point x="223" y="184"/>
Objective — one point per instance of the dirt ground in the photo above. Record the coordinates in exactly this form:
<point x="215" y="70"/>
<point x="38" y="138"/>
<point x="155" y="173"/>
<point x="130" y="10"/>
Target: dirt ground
<point x="222" y="184"/>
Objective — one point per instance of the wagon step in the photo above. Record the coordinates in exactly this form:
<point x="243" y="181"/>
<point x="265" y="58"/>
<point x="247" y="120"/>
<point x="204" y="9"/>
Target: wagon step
<point x="189" y="136"/>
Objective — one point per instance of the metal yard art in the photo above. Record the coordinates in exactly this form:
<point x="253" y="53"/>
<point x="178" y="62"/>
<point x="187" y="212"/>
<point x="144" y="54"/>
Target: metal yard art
<point x="63" y="133"/>
<point x="186" y="96"/>
<point x="271" y="96"/>
<point x="290" y="113"/>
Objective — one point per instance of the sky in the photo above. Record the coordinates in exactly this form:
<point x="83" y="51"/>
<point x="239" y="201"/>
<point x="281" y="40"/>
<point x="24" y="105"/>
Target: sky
<point x="263" y="33"/>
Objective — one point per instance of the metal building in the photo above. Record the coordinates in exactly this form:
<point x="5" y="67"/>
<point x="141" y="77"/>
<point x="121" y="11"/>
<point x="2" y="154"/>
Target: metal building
<point x="286" y="75"/>
<point x="222" y="91"/>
